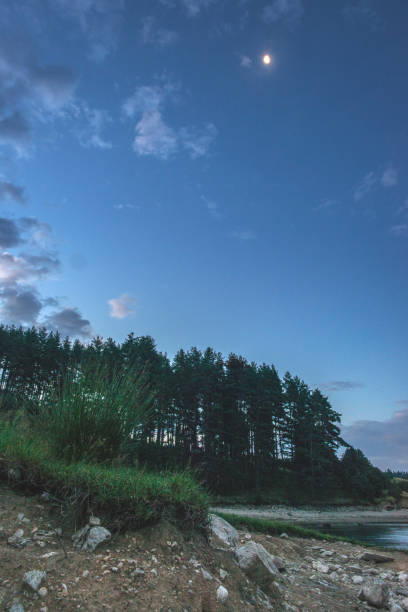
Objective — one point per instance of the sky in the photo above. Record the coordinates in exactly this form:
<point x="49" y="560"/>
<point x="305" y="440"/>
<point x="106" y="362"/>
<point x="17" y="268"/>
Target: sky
<point x="157" y="177"/>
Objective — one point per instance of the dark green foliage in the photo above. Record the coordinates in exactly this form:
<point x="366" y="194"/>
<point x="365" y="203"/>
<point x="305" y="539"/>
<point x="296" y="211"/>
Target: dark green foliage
<point x="361" y="479"/>
<point x="236" y="423"/>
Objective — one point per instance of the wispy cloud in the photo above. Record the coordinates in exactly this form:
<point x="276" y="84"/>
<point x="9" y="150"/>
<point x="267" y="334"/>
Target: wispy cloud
<point x="384" y="442"/>
<point x="365" y="187"/>
<point x="389" y="177"/>
<point x="9" y="191"/>
<point x="325" y="204"/>
<point x="212" y="207"/>
<point x="244" y="235"/>
<point x="91" y="134"/>
<point x="341" y="385"/>
<point x="363" y="12"/>
<point x="288" y="11"/>
<point x="399" y="230"/>
<point x="153" y="135"/>
<point x="99" y="20"/>
<point x="245" y="61"/>
<point x="192" y="7"/>
<point x="122" y="306"/>
<point x="126" y="206"/>
<point x="152" y="34"/>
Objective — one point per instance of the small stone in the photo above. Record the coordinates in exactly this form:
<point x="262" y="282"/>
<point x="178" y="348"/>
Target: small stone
<point x="94" y="521"/>
<point x="33" y="579"/>
<point x="375" y="594"/>
<point x="42" y="592"/>
<point x="223" y="574"/>
<point x="284" y="535"/>
<point x="222" y="594"/>
<point x="114" y="570"/>
<point x="357" y="579"/>
<point x="154" y="572"/>
<point x="138" y="572"/>
<point x="85" y="574"/>
<point x="206" y="575"/>
<point x="404" y="604"/>
<point x="320" y="567"/>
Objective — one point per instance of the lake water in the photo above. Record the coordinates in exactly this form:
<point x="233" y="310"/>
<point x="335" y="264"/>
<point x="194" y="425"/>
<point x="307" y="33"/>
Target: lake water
<point x="388" y="535"/>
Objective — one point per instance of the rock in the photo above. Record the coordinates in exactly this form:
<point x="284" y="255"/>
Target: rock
<point x="376" y="557"/>
<point x="85" y="574"/>
<point x="33" y="579"/>
<point x="375" y="594"/>
<point x="284" y="535"/>
<point x="357" y="579"/>
<point x="320" y="567"/>
<point x="42" y="592"/>
<point x="223" y="574"/>
<point x="279" y="563"/>
<point x="137" y="573"/>
<point x="257" y="563"/>
<point x="88" y="538"/>
<point x="395" y="607"/>
<point x="15" y="474"/>
<point x="404" y="603"/>
<point x="222" y="594"/>
<point x="17" y="540"/>
<point x="206" y="575"/>
<point x="222" y="535"/>
<point x="94" y="521"/>
<point x="402" y="577"/>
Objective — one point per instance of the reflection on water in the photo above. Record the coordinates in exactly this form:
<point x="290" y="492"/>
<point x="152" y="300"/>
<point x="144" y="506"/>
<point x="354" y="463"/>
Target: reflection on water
<point x="388" y="535"/>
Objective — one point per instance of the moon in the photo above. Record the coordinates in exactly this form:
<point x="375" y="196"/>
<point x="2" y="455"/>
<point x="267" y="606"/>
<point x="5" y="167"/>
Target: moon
<point x="266" y="58"/>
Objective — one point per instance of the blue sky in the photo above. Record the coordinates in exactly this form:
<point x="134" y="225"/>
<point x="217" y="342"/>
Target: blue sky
<point x="157" y="177"/>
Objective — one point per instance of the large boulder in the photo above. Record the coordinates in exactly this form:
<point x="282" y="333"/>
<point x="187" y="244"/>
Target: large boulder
<point x="376" y="594"/>
<point x="222" y="535"/>
<point x="257" y="563"/>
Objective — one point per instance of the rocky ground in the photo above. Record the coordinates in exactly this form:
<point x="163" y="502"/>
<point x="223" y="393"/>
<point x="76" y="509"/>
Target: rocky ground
<point x="319" y="516"/>
<point x="163" y="570"/>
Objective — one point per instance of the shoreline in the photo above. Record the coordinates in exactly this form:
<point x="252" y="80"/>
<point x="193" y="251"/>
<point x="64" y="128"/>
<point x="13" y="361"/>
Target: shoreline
<point x="318" y="517"/>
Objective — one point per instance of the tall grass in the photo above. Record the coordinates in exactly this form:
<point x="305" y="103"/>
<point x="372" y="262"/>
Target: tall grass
<point x="90" y="413"/>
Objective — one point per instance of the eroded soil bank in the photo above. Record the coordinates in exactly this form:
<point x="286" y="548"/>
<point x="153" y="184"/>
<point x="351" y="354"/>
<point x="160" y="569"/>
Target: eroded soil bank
<point x="161" y="569"/>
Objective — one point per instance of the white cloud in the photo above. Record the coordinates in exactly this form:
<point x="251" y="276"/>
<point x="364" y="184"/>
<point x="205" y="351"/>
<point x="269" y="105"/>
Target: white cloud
<point x="364" y="12"/>
<point x="156" y="36"/>
<point x="389" y="177"/>
<point x="153" y="135"/>
<point x="325" y="204"/>
<point x="289" y="11"/>
<point x="121" y="307"/>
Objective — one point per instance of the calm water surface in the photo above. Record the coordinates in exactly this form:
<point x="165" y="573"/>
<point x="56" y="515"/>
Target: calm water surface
<point x="389" y="535"/>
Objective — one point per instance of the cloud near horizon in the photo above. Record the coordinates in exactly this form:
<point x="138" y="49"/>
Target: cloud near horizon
<point x="384" y="442"/>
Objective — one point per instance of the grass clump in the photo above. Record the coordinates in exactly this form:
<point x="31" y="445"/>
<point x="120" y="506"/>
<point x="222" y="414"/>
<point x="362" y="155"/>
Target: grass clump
<point x="271" y="527"/>
<point x="89" y="413"/>
<point x="129" y="497"/>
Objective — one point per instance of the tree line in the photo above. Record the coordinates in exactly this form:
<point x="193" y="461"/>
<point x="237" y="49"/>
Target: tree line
<point x="239" y="424"/>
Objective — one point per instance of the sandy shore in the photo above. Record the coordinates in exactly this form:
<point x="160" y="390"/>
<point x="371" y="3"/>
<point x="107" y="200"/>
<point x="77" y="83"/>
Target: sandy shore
<point x="315" y="516"/>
